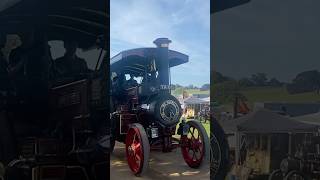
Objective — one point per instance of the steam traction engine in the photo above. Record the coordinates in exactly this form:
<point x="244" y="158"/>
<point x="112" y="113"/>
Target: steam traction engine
<point x="144" y="113"/>
<point x="304" y="165"/>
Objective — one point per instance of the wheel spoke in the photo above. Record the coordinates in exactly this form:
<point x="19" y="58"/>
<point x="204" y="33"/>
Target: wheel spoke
<point x="193" y="152"/>
<point x="200" y="150"/>
<point x="137" y="158"/>
<point x="192" y="133"/>
<point x="134" y="145"/>
<point x="134" y="138"/>
<point x="193" y="155"/>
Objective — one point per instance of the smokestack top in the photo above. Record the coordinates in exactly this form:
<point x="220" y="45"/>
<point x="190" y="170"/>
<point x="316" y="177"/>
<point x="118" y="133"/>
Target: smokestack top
<point x="162" y="42"/>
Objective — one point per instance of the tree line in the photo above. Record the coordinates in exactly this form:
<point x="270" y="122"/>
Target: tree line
<point x="205" y="87"/>
<point x="225" y="89"/>
<point x="306" y="81"/>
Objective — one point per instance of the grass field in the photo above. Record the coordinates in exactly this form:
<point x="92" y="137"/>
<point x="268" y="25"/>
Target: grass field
<point x="272" y="94"/>
<point x="179" y="91"/>
<point x="206" y="126"/>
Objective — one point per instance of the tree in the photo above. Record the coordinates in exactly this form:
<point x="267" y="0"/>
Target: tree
<point x="245" y="82"/>
<point x="223" y="92"/>
<point x="219" y="78"/>
<point x="205" y="87"/>
<point x="259" y="79"/>
<point x="274" y="82"/>
<point x="190" y="86"/>
<point x="306" y="81"/>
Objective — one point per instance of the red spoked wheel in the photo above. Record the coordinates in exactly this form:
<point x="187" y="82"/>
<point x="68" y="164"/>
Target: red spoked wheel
<point x="137" y="149"/>
<point x="195" y="146"/>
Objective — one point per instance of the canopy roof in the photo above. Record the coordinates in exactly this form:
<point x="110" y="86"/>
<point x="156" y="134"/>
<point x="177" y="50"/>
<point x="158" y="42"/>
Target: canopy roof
<point x="309" y="118"/>
<point x="293" y="109"/>
<point x="136" y="60"/>
<point x="220" y="5"/>
<point x="264" y="121"/>
<point x="194" y="100"/>
<point x="80" y="20"/>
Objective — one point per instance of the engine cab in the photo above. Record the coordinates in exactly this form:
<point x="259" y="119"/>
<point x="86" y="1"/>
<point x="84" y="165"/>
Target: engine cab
<point x="141" y="85"/>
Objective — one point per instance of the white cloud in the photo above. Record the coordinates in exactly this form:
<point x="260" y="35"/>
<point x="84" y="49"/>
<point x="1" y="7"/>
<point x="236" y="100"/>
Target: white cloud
<point x="186" y="22"/>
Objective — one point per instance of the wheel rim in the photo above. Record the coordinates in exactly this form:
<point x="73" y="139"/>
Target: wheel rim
<point x="276" y="175"/>
<point x="215" y="152"/>
<point x="295" y="176"/>
<point x="193" y="147"/>
<point x="134" y="150"/>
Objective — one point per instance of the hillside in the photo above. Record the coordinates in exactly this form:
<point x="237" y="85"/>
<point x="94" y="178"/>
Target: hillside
<point x="280" y="94"/>
<point x="179" y="91"/>
<point x="272" y="94"/>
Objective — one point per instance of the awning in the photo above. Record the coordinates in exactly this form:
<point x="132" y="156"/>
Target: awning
<point x="309" y="118"/>
<point x="194" y="100"/>
<point x="136" y="60"/>
<point x="220" y="5"/>
<point x="264" y="121"/>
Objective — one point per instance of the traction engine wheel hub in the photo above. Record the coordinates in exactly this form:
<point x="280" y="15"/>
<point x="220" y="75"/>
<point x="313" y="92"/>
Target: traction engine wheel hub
<point x="195" y="144"/>
<point x="137" y="149"/>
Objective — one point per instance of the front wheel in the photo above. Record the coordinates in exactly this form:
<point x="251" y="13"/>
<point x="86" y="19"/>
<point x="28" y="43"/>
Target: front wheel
<point x="220" y="160"/>
<point x="195" y="145"/>
<point x="137" y="149"/>
<point x="276" y="175"/>
<point x="295" y="175"/>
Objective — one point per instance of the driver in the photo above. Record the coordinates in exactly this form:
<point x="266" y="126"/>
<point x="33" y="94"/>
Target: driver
<point x="4" y="83"/>
<point x="131" y="82"/>
<point x="70" y="64"/>
<point x="7" y="146"/>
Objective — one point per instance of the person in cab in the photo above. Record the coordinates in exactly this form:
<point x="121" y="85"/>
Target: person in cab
<point x="70" y="65"/>
<point x="3" y="65"/>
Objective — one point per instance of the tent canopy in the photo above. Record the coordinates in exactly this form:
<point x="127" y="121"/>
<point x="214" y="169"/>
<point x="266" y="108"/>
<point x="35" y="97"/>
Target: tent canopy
<point x="309" y="118"/>
<point x="194" y="100"/>
<point x="137" y="60"/>
<point x="220" y="5"/>
<point x="264" y="121"/>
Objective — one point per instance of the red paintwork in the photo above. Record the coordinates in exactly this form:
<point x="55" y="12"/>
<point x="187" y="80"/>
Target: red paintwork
<point x="134" y="150"/>
<point x="192" y="148"/>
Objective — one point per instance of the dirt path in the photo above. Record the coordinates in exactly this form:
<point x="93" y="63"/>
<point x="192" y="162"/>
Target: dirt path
<point x="166" y="166"/>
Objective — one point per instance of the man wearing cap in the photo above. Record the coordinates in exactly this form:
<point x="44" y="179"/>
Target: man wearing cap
<point x="70" y="64"/>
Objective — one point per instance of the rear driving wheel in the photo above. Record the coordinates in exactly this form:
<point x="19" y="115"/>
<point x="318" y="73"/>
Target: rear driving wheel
<point x="276" y="175"/>
<point x="195" y="146"/>
<point x="295" y="175"/>
<point x="220" y="160"/>
<point x="137" y="149"/>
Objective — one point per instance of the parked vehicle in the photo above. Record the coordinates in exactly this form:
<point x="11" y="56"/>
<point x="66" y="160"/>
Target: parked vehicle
<point x="145" y="115"/>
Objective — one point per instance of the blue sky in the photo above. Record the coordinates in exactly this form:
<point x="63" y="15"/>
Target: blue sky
<point x="137" y="23"/>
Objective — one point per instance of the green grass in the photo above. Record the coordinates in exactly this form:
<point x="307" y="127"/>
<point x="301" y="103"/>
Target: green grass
<point x="272" y="94"/>
<point x="197" y="91"/>
<point x="206" y="126"/>
<point x="179" y="91"/>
